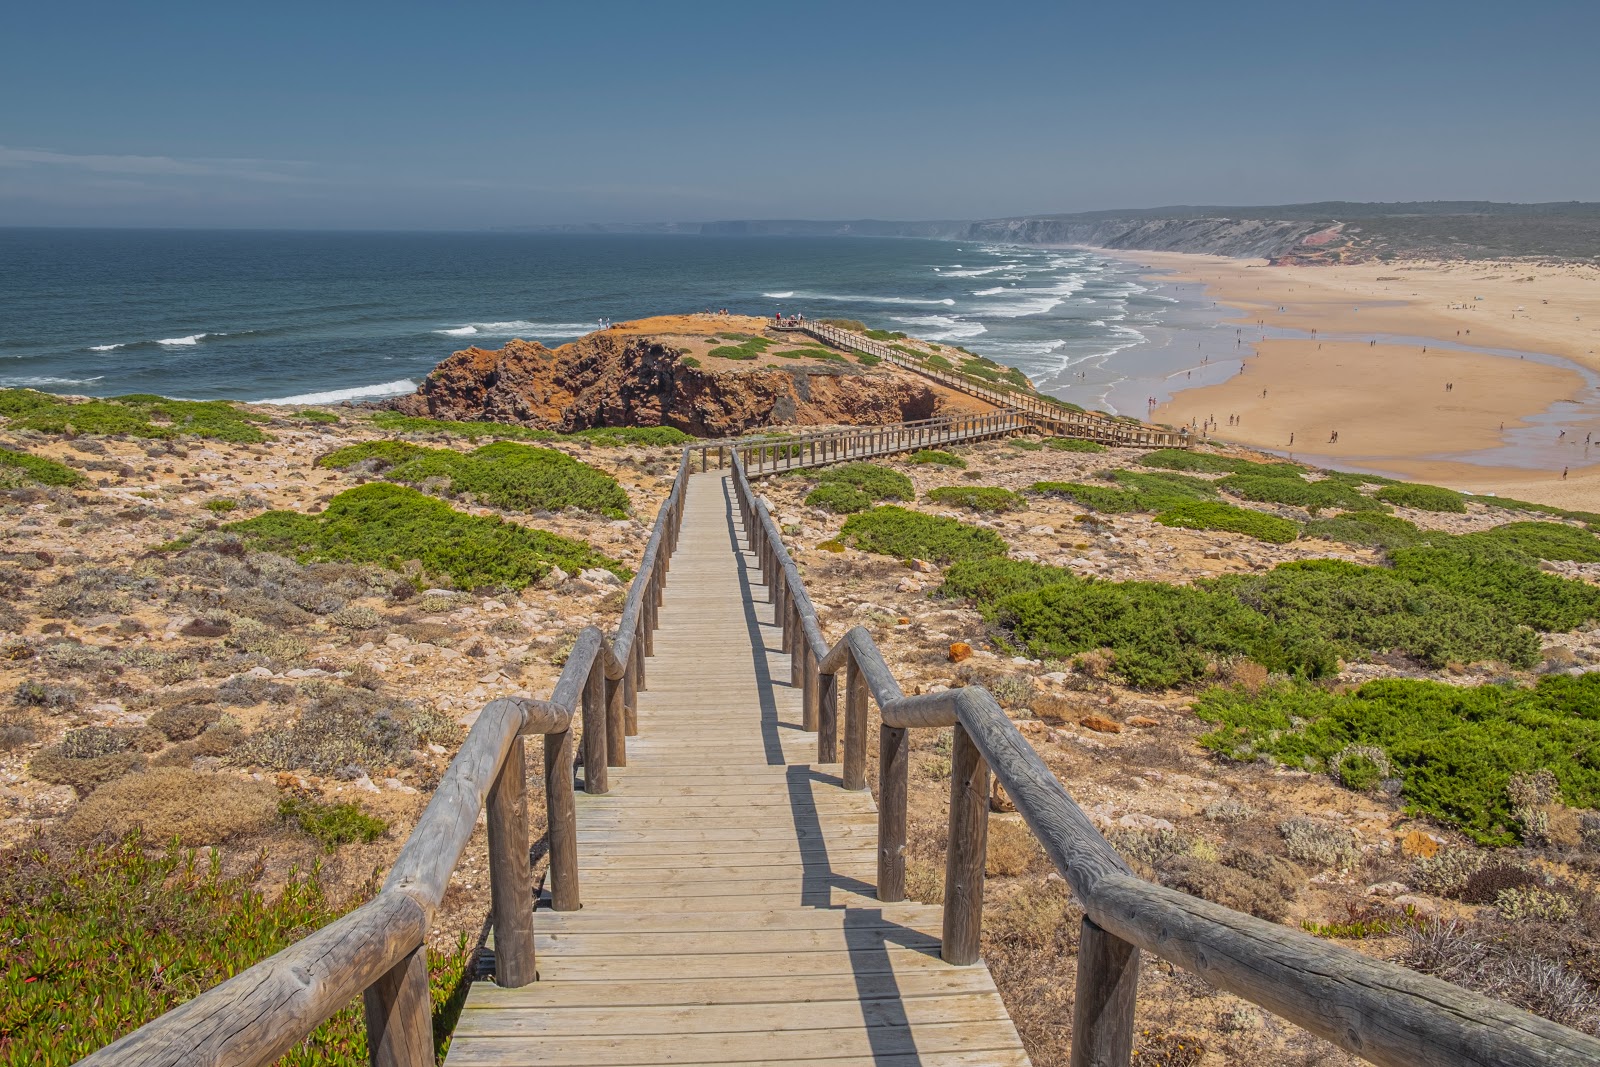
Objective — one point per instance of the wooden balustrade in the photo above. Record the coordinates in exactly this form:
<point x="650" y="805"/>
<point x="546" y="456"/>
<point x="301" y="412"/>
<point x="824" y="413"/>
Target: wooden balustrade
<point x="1380" y="1011"/>
<point x="378" y="951"/>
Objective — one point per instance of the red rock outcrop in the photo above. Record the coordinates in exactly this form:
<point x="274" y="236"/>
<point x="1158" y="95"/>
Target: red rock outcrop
<point x="615" y="378"/>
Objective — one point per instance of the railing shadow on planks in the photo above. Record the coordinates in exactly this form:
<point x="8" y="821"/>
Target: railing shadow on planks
<point x="1382" y="1012"/>
<point x="1044" y="413"/>
<point x="378" y="951"/>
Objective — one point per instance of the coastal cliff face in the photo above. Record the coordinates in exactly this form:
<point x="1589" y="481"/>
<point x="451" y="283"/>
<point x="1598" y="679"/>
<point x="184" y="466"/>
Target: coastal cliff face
<point x="1242" y="238"/>
<point x="618" y="379"/>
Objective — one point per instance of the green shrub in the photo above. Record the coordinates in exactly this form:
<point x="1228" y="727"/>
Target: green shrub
<point x="1590" y="517"/>
<point x="1297" y="492"/>
<point x="335" y="824"/>
<point x="878" y="483"/>
<point x="935" y="456"/>
<point x="940" y="363"/>
<point x="1422" y="497"/>
<point x="904" y="534"/>
<point x="312" y="415"/>
<point x="977" y="498"/>
<point x="395" y="422"/>
<point x="221" y="505"/>
<point x="1159" y="635"/>
<point x="689" y="361"/>
<point x="1209" y="515"/>
<point x="37" y="469"/>
<point x="1073" y="444"/>
<point x="839" y="499"/>
<point x="381" y="454"/>
<point x="1532" y="541"/>
<point x="1025" y="445"/>
<point x="1373" y="609"/>
<point x="987" y="581"/>
<point x="886" y="335"/>
<point x="391" y="524"/>
<point x="102" y="940"/>
<point x="1367" y="529"/>
<point x="867" y="359"/>
<point x="1520" y="593"/>
<point x="747" y="347"/>
<point x="505" y="474"/>
<point x="137" y="415"/>
<point x="1180" y="459"/>
<point x="855" y="325"/>
<point x="1095" y="497"/>
<point x="1160" y="488"/>
<point x="1454" y="748"/>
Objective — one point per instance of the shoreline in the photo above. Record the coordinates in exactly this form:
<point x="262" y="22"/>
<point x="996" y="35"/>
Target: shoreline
<point x="1342" y="348"/>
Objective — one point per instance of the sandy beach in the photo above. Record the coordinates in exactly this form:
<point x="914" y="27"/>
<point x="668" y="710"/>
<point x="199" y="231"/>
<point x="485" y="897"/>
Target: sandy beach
<point x="1377" y="353"/>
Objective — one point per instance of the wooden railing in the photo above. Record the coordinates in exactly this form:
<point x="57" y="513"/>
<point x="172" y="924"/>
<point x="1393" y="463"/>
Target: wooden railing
<point x="772" y="454"/>
<point x="1046" y="415"/>
<point x="1382" y="1012"/>
<point x="379" y="950"/>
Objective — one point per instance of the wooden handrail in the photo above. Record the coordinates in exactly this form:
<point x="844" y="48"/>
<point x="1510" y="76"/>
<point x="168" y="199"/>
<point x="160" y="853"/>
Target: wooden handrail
<point x="379" y="949"/>
<point x="1045" y="413"/>
<point x="1382" y="1012"/>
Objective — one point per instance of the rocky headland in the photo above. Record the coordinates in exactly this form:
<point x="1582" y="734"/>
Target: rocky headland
<point x="711" y="376"/>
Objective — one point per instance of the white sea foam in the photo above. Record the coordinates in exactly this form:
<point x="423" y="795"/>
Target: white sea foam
<point x="942" y="327"/>
<point x="779" y="296"/>
<point x="335" y="396"/>
<point x="856" y="298"/>
<point x="35" y="381"/>
<point x="107" y="348"/>
<point x="1035" y="301"/>
<point x="519" y="328"/>
<point x="192" y="339"/>
<point x="990" y="292"/>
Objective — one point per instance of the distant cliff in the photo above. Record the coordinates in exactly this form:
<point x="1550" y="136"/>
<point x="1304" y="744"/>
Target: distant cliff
<point x="1244" y="238"/>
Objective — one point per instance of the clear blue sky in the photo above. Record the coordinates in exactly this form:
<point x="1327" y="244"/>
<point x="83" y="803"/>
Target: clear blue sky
<point x="403" y="115"/>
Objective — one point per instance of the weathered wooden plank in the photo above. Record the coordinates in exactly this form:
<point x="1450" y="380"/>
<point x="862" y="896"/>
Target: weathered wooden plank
<point x="906" y="984"/>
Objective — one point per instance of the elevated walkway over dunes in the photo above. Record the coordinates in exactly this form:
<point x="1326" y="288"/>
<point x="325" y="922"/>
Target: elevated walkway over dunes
<point x="1042" y="413"/>
<point x="726" y="890"/>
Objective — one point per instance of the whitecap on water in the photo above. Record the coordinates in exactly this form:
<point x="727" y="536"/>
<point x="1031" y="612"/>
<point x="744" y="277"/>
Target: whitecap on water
<point x="335" y="396"/>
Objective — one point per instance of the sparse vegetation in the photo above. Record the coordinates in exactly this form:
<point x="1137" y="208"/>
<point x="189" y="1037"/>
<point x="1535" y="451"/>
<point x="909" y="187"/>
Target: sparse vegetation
<point x="937" y="457"/>
<point x="336" y="824"/>
<point x="177" y="804"/>
<point x="19" y="467"/>
<point x="895" y="531"/>
<point x="1073" y="444"/>
<point x="137" y="415"/>
<point x="988" y="498"/>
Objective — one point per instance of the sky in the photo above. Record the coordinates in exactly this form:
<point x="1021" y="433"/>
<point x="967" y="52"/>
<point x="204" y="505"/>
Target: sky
<point x="473" y="114"/>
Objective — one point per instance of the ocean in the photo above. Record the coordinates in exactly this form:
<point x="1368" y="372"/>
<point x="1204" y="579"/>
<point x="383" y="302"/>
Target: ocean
<point x="319" y="317"/>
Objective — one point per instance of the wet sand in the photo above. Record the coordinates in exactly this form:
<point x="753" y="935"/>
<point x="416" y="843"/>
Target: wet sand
<point x="1388" y="400"/>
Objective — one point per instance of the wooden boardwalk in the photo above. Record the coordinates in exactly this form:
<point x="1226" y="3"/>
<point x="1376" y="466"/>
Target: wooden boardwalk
<point x="727" y="878"/>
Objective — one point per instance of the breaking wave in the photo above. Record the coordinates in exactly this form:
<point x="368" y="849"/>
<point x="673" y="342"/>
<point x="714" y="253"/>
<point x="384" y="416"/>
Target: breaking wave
<point x="335" y="396"/>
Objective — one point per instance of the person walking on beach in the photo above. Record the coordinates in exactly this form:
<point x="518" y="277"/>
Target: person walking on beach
<point x="1333" y="438"/>
<point x="1291" y="440"/>
<point x="1563" y="474"/>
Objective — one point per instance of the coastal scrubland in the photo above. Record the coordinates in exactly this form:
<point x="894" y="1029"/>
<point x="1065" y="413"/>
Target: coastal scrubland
<point x="238" y="665"/>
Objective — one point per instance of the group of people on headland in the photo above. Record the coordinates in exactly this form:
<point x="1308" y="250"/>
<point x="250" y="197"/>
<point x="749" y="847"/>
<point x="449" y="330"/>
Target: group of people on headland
<point x="780" y="319"/>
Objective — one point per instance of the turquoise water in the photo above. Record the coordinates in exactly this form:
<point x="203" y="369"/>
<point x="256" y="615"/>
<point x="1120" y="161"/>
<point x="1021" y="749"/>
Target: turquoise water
<point x="323" y="317"/>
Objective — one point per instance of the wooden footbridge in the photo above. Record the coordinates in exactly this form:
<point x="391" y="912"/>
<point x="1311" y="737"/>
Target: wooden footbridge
<point x="726" y="890"/>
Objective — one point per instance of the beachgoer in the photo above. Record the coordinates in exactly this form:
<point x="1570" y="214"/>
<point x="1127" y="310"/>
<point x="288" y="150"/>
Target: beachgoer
<point x="1291" y="440"/>
<point x="1563" y="474"/>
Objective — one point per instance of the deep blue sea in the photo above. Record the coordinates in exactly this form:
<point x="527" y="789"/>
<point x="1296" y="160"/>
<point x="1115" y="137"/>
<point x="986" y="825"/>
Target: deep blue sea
<point x="321" y="317"/>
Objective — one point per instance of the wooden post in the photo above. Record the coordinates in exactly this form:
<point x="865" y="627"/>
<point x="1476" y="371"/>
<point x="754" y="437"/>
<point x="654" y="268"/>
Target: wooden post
<point x="638" y="661"/>
<point x="630" y="698"/>
<point x="797" y="650"/>
<point x="595" y="779"/>
<point x="510" y="880"/>
<point x="399" y="1014"/>
<point x="1102" y="1007"/>
<point x="808" y="689"/>
<point x="616" y="722"/>
<point x="561" y="817"/>
<point x="965" y="854"/>
<point x="892" y="765"/>
<point x="855" y="727"/>
<point x="827" y="718"/>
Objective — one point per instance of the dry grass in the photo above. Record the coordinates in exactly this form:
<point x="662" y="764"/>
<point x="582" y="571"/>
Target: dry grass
<point x="195" y="807"/>
<point x="1012" y="849"/>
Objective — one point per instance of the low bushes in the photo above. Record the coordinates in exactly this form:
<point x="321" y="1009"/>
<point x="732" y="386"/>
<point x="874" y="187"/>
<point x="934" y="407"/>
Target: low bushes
<point x="1366" y="529"/>
<point x="346" y="733"/>
<point x="935" y="456"/>
<point x="1454" y="750"/>
<point x="977" y="498"/>
<point x="748" y="347"/>
<point x="336" y="824"/>
<point x="507" y="475"/>
<point x="1209" y="515"/>
<point x="1521" y="594"/>
<point x="853" y="487"/>
<point x="906" y="534"/>
<point x="1182" y="459"/>
<point x="1297" y="492"/>
<point x="392" y="524"/>
<point x="1073" y="444"/>
<point x="1094" y="497"/>
<point x="102" y="940"/>
<point x="1529" y="542"/>
<point x="987" y="581"/>
<point x="175" y="803"/>
<point x="137" y="415"/>
<point x="610" y="436"/>
<point x="1422" y="497"/>
<point x="20" y="466"/>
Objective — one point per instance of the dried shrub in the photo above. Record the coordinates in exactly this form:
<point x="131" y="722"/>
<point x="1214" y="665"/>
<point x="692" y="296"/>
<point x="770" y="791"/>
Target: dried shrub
<point x="1318" y="843"/>
<point x="1534" y="904"/>
<point x="18" y="726"/>
<point x="1446" y="873"/>
<point x="185" y="722"/>
<point x="274" y="645"/>
<point x="206" y="628"/>
<point x="1499" y="960"/>
<point x="244" y="691"/>
<point x="1012" y="849"/>
<point x="346" y="728"/>
<point x="1263" y="886"/>
<point x="356" y="617"/>
<point x="195" y="807"/>
<point x="1229" y="810"/>
<point x="36" y="694"/>
<point x="1041" y="916"/>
